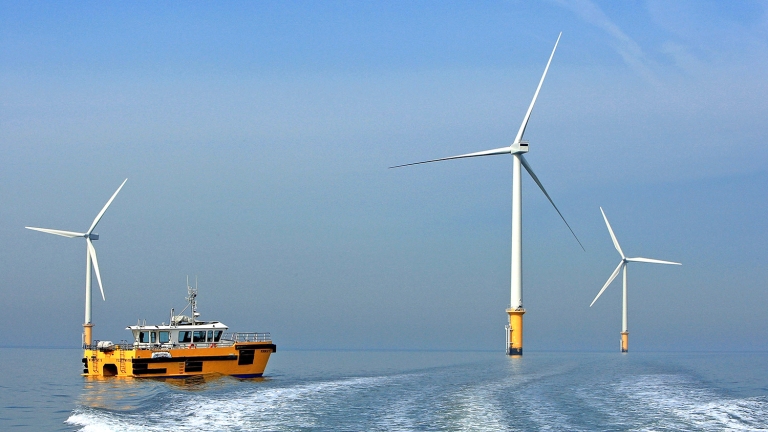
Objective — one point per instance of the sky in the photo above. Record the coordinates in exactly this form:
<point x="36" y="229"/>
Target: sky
<point x="256" y="139"/>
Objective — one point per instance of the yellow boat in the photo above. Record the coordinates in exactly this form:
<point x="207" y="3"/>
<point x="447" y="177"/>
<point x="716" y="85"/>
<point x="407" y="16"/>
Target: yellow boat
<point x="183" y="348"/>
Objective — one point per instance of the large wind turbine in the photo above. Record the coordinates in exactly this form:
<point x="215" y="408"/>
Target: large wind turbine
<point x="516" y="149"/>
<point x="90" y="258"/>
<point x="623" y="266"/>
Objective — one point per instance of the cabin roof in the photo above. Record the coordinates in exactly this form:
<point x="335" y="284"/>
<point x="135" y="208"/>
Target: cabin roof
<point x="200" y="325"/>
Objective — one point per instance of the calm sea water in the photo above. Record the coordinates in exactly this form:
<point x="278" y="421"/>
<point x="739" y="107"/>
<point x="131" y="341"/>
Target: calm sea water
<point x="41" y="389"/>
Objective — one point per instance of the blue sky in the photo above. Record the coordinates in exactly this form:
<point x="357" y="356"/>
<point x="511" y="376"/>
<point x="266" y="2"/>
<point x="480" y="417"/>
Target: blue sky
<point x="256" y="139"/>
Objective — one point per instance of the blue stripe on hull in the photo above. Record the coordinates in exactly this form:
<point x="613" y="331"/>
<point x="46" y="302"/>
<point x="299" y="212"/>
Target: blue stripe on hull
<point x="258" y="375"/>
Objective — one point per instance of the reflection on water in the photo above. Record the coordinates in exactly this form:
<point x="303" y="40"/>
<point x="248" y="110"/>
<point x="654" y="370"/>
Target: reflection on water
<point x="128" y="394"/>
<point x="117" y="393"/>
<point x="205" y="382"/>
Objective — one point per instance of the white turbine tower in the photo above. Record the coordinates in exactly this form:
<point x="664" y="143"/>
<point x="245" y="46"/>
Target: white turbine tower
<point x="516" y="149"/>
<point x="623" y="266"/>
<point x="90" y="257"/>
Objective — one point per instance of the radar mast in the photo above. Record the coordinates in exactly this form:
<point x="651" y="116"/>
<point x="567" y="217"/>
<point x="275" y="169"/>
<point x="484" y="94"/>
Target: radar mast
<point x="192" y="299"/>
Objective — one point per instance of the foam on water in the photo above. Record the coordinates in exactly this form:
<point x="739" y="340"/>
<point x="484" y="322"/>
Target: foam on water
<point x="255" y="408"/>
<point x="489" y="395"/>
<point x="678" y="402"/>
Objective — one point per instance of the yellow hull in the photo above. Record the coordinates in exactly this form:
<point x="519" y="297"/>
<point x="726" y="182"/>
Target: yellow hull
<point x="242" y="360"/>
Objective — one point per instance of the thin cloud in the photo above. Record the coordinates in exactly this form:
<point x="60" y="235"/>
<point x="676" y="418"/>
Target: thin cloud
<point x="627" y="48"/>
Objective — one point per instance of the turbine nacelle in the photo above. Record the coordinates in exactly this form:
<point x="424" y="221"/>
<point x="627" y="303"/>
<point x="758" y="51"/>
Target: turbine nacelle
<point x="93" y="236"/>
<point x="519" y="147"/>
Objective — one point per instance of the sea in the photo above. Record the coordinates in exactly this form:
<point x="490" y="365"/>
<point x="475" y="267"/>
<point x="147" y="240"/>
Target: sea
<point x="42" y="390"/>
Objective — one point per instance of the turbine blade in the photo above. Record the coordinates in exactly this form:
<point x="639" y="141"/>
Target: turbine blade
<point x="69" y="234"/>
<point x="652" y="261"/>
<point x="610" y="279"/>
<point x="536" y="179"/>
<point x="101" y="213"/>
<point x="520" y="132"/>
<point x="92" y="253"/>
<point x="498" y="151"/>
<point x="613" y="236"/>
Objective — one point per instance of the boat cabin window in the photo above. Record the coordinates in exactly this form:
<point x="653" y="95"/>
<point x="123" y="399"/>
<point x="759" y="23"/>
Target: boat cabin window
<point x="197" y="336"/>
<point x="165" y="337"/>
<point x="151" y="337"/>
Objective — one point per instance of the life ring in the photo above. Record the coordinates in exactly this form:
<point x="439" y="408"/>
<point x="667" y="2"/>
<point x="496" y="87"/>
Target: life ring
<point x="213" y="345"/>
<point x="191" y="346"/>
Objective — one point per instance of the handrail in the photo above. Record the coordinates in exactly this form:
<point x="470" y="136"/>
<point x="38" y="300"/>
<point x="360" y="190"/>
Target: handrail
<point x="247" y="337"/>
<point x="122" y="345"/>
<point x="227" y="339"/>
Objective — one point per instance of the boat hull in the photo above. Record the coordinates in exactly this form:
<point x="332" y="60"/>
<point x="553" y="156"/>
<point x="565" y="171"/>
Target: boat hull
<point x="241" y="360"/>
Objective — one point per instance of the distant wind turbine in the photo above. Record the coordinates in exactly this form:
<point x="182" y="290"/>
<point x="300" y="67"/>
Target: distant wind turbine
<point x="516" y="149"/>
<point x="90" y="257"/>
<point x="623" y="265"/>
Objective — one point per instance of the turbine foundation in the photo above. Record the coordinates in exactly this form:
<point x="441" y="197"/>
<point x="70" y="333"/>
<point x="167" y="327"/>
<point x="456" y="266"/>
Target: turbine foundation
<point x="515" y="332"/>
<point x="624" y="341"/>
<point x="87" y="334"/>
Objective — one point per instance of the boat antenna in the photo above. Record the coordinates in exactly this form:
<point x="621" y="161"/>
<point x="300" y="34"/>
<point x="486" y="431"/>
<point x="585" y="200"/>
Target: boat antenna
<point x="192" y="299"/>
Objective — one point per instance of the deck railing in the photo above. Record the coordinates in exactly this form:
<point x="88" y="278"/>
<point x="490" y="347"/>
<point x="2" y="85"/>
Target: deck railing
<point x="247" y="337"/>
<point x="122" y="345"/>
<point x="227" y="339"/>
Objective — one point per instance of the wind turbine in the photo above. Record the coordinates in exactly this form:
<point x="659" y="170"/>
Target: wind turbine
<point x="90" y="258"/>
<point x="623" y="265"/>
<point x="516" y="149"/>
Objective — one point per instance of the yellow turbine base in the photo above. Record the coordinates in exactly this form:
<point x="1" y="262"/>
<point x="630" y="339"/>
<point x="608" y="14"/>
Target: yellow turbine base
<point x="624" y="341"/>
<point x="515" y="337"/>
